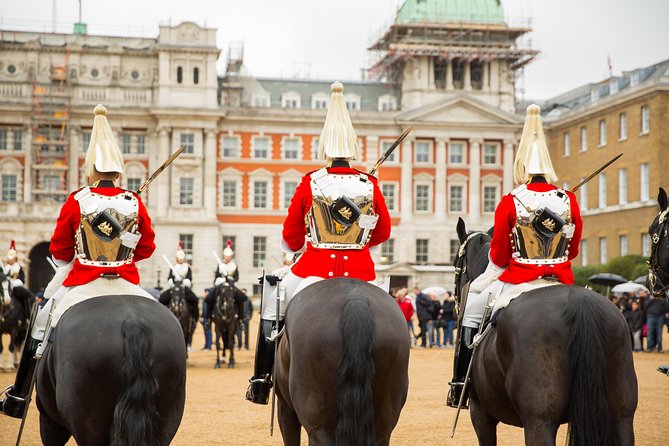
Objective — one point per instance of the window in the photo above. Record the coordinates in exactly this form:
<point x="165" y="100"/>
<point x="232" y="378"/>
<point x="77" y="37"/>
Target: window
<point x="290" y="100"/>
<point x="259" y="251"/>
<point x="4" y="144"/>
<point x="623" y="126"/>
<point x="456" y="199"/>
<point x="645" y="245"/>
<point x="603" y="257"/>
<point x="583" y="198"/>
<point x="602" y="132"/>
<point x="260" y="100"/>
<point x="584" y="253"/>
<point x="9" y="188"/>
<point x="229" y="194"/>
<point x="388" y="191"/>
<point x="51" y="182"/>
<point x="291" y="148"/>
<point x="134" y="183"/>
<point x="456" y="153"/>
<point x="127" y="142"/>
<point x="584" y="139"/>
<point x="180" y="75"/>
<point x="288" y="192"/>
<point x="489" y="198"/>
<point x="260" y="147"/>
<point x="422" y="199"/>
<point x="645" y="120"/>
<point x="352" y="102"/>
<point x="644" y="182"/>
<point x="18" y="140"/>
<point x="567" y="144"/>
<point x="186" y="190"/>
<point x="387" y="103"/>
<point x="196" y="75"/>
<point x="230" y="147"/>
<point x="476" y="74"/>
<point x="623" y="245"/>
<point x="388" y="251"/>
<point x="320" y="101"/>
<point x="188" y="139"/>
<point x="602" y="190"/>
<point x="421" y="250"/>
<point x="187" y="243"/>
<point x="423" y="152"/>
<point x="458" y="73"/>
<point x="384" y="146"/>
<point x="86" y="140"/>
<point x="490" y="154"/>
<point x="141" y="144"/>
<point x="622" y="186"/>
<point x="454" y="245"/>
<point x="440" y="70"/>
<point x="314" y="148"/>
<point x="260" y="194"/>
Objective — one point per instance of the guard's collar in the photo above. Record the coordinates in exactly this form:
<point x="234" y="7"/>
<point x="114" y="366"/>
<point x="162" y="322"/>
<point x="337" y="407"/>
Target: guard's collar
<point x="104" y="183"/>
<point x="339" y="163"/>
<point x="537" y="179"/>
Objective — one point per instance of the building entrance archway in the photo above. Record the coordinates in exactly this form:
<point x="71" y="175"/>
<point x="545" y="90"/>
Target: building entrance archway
<point x="40" y="272"/>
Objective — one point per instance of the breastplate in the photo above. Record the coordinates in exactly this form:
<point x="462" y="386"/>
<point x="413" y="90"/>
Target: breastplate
<point x="107" y="233"/>
<point x="543" y="226"/>
<point x="342" y="211"/>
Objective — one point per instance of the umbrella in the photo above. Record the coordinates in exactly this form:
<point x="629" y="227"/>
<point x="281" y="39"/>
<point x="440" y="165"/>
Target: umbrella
<point x="438" y="290"/>
<point x="628" y="287"/>
<point x="153" y="292"/>
<point x="606" y="279"/>
<point x="641" y="279"/>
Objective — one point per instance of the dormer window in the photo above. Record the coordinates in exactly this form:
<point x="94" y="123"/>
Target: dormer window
<point x="291" y="100"/>
<point x="320" y="101"/>
<point x="387" y="103"/>
<point x="180" y="75"/>
<point x="352" y="102"/>
<point x="260" y="100"/>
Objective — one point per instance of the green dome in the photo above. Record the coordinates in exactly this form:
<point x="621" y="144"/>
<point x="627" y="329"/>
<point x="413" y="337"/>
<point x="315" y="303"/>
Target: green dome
<point x="471" y="11"/>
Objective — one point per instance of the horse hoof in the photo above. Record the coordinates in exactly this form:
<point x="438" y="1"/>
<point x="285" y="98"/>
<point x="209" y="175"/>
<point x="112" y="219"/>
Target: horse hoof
<point x="217" y="366"/>
<point x="231" y="365"/>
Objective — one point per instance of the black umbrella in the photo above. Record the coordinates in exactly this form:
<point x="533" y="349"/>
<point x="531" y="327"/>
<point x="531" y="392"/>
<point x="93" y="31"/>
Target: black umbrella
<point x="606" y="279"/>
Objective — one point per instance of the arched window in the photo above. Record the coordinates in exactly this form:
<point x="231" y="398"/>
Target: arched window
<point x="196" y="75"/>
<point x="180" y="75"/>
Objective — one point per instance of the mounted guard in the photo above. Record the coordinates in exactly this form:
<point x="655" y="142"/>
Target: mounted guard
<point x="536" y="235"/>
<point x="335" y="216"/>
<point x="226" y="272"/>
<point x="181" y="274"/>
<point x="16" y="276"/>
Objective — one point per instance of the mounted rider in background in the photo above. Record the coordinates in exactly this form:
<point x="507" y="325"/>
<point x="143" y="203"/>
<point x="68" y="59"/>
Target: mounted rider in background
<point x="181" y="274"/>
<point x="536" y="235"/>
<point x="226" y="271"/>
<point x="102" y="230"/>
<point x="17" y="278"/>
<point x="336" y="214"/>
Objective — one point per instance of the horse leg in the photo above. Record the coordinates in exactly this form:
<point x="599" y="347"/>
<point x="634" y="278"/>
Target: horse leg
<point x="218" y="352"/>
<point x="231" y="360"/>
<point x="52" y="433"/>
<point x="291" y="429"/>
<point x="485" y="425"/>
<point x="539" y="432"/>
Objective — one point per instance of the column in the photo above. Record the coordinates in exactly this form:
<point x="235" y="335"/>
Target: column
<point x="150" y="196"/>
<point x="371" y="152"/>
<point x="440" y="180"/>
<point x="28" y="165"/>
<point x="163" y="180"/>
<point x="468" y="76"/>
<point x="475" y="180"/>
<point x="486" y="76"/>
<point x="73" y="161"/>
<point x="210" y="173"/>
<point x="406" y="181"/>
<point x="449" y="75"/>
<point x="507" y="165"/>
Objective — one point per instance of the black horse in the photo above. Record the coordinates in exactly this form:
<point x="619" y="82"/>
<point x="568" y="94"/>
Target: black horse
<point x="342" y="365"/>
<point x="175" y="299"/>
<point x="13" y="317"/>
<point x="560" y="354"/>
<point x="226" y="316"/>
<point x="115" y="373"/>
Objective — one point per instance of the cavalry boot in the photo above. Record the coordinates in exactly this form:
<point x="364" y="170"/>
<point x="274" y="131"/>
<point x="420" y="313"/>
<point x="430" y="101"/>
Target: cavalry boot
<point x="261" y="383"/>
<point x="463" y="356"/>
<point x="15" y="403"/>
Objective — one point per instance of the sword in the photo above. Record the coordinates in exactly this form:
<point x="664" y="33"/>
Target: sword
<point x="161" y="168"/>
<point x="276" y="349"/>
<point x="176" y="274"/>
<point x="596" y="172"/>
<point x="52" y="263"/>
<point x="390" y="150"/>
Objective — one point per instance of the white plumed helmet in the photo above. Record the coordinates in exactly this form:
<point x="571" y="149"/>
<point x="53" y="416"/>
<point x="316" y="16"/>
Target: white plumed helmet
<point x="103" y="153"/>
<point x="338" y="139"/>
<point x="181" y="255"/>
<point x="228" y="252"/>
<point x="532" y="157"/>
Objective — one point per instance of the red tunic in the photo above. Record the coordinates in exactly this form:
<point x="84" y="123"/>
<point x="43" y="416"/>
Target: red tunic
<point x="501" y="247"/>
<point x="407" y="308"/>
<point x="62" y="242"/>
<point x="328" y="263"/>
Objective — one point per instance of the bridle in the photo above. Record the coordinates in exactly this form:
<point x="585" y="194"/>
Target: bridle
<point x="461" y="269"/>
<point x="226" y="301"/>
<point x="657" y="276"/>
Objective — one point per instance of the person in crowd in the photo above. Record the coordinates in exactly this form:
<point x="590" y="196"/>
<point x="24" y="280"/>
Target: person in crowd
<point x="655" y="308"/>
<point x="433" y="324"/>
<point x="448" y="319"/>
<point x="206" y="326"/>
<point x="406" y="307"/>
<point x="635" y="322"/>
<point x="424" y="308"/>
<point x="243" y="328"/>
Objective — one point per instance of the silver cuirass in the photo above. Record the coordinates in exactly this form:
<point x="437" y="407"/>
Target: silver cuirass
<point x="342" y="211"/>
<point x="543" y="226"/>
<point x="107" y="233"/>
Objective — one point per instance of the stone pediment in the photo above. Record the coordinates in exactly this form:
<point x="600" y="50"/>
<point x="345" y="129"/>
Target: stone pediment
<point x="461" y="110"/>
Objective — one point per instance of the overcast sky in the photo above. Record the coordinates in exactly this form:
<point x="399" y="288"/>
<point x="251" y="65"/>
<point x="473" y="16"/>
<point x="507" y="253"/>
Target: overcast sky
<point x="328" y="39"/>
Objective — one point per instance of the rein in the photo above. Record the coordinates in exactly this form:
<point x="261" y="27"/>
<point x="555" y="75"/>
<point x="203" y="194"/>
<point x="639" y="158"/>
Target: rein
<point x="657" y="277"/>
<point x="461" y="269"/>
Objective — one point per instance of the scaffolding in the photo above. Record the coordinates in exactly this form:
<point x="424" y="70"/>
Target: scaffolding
<point x="51" y="102"/>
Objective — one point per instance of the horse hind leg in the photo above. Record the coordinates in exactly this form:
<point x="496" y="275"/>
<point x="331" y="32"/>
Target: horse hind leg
<point x="291" y="429"/>
<point x="485" y="425"/>
<point x="52" y="433"/>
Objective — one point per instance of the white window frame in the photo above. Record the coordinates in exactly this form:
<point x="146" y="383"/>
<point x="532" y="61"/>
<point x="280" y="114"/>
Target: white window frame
<point x="291" y="99"/>
<point x="496" y="188"/>
<point x="388" y="250"/>
<point x="285" y="198"/>
<point x="453" y="247"/>
<point x="602" y="190"/>
<point x="352" y="102"/>
<point x="644" y="182"/>
<point x="14" y="188"/>
<point x="383" y="146"/>
<point x="255" y="183"/>
<point x="498" y="149"/>
<point x="459" y="182"/>
<point x="320" y="101"/>
<point x="567" y="145"/>
<point x="463" y="162"/>
<point x="394" y="202"/>
<point x="623" y="245"/>
<point x="259" y="257"/>
<point x="583" y="196"/>
<point x="85" y="140"/>
<point x="622" y="122"/>
<point x="190" y="146"/>
<point x="584" y="252"/>
<point x="645" y="120"/>
<point x="425" y="255"/>
<point x="584" y="138"/>
<point x="299" y="148"/>
<point x="430" y="150"/>
<point x="254" y="141"/>
<point x="237" y="147"/>
<point x="430" y="196"/>
<point x="622" y="186"/>
<point x="645" y="244"/>
<point x="602" y="132"/>
<point x="224" y="194"/>
<point x="230" y="175"/>
<point x="290" y="175"/>
<point x="387" y="102"/>
<point x="603" y="251"/>
<point x="261" y="175"/>
<point x="314" y="147"/>
<point x="192" y="192"/>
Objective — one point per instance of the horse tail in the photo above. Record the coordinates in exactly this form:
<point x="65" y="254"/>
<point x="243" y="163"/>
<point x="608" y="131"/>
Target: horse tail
<point x="135" y="415"/>
<point x="590" y="418"/>
<point x="355" y="401"/>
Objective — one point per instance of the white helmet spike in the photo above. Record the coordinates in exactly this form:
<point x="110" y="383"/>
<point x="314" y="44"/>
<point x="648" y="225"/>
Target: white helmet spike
<point x="103" y="153"/>
<point x="338" y="139"/>
<point x="532" y="156"/>
<point x="181" y="255"/>
<point x="11" y="253"/>
<point x="228" y="252"/>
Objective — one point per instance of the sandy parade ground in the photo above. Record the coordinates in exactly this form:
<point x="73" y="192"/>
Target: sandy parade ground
<point x="216" y="412"/>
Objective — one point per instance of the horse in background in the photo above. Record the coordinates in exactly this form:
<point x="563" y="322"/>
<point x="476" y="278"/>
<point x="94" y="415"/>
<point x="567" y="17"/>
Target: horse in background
<point x="559" y="354"/>
<point x="175" y="300"/>
<point x="114" y="373"/>
<point x="13" y="320"/>
<point x="226" y="319"/>
<point x="342" y="365"/>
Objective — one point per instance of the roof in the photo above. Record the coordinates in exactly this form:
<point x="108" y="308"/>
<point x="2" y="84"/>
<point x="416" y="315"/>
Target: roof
<point x="472" y="11"/>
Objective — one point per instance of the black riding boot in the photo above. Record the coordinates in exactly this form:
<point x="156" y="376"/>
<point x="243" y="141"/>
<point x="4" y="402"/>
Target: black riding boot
<point x="463" y="356"/>
<point x="15" y="403"/>
<point x="261" y="383"/>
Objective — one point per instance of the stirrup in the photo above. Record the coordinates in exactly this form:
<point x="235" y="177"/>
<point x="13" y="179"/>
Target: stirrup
<point x="258" y="390"/>
<point x="12" y="406"/>
<point x="453" y="398"/>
